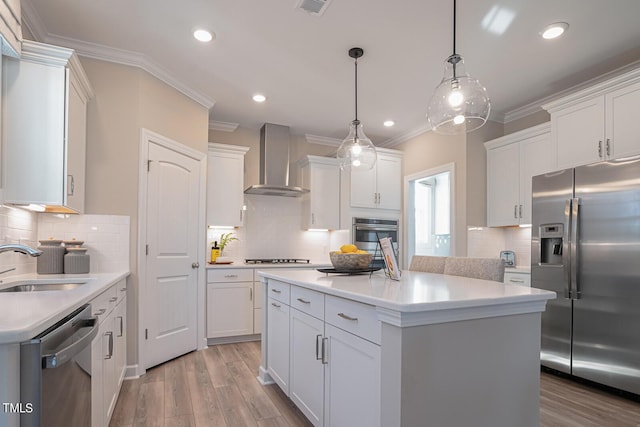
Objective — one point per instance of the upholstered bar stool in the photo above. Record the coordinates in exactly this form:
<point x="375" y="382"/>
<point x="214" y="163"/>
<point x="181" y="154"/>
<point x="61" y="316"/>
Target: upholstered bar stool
<point x="428" y="264"/>
<point x="477" y="268"/>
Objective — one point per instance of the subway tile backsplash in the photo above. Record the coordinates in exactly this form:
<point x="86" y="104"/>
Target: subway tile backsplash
<point x="17" y="226"/>
<point x="105" y="236"/>
<point x="487" y="242"/>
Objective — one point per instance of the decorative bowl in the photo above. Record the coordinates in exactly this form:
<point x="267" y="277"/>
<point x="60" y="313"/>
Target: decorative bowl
<point x="350" y="261"/>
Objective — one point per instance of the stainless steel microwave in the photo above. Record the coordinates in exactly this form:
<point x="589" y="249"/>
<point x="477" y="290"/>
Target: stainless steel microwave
<point x="367" y="231"/>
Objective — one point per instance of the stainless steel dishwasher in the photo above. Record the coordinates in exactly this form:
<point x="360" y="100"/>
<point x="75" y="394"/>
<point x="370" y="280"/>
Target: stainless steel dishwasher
<point x="55" y="373"/>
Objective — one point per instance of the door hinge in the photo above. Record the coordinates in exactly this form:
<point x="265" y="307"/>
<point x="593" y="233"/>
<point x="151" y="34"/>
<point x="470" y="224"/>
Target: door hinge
<point x="148" y="165"/>
<point x="146" y="334"/>
<point x="146" y="250"/>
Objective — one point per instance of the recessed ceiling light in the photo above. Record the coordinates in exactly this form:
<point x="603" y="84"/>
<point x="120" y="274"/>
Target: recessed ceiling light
<point x="203" y="35"/>
<point x="259" y="98"/>
<point x="389" y="123"/>
<point x="554" y="30"/>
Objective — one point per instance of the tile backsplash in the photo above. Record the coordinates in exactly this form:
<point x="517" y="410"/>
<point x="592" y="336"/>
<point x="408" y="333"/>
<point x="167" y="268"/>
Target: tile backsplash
<point x="273" y="229"/>
<point x="105" y="236"/>
<point x="487" y="242"/>
<point x="17" y="226"/>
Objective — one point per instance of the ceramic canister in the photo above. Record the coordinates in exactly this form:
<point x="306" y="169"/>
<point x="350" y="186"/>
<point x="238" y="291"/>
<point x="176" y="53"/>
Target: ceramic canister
<point x="52" y="259"/>
<point x="76" y="261"/>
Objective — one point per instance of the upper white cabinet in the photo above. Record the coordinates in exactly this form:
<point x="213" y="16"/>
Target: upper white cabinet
<point x="321" y="206"/>
<point x="225" y="185"/>
<point x="10" y="29"/>
<point x="512" y="161"/>
<point x="44" y="119"/>
<point x="380" y="187"/>
<point x="597" y="123"/>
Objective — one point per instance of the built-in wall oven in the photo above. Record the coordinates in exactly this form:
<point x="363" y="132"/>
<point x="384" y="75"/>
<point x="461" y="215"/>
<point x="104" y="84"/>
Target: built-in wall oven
<point x="55" y="373"/>
<point x="367" y="231"/>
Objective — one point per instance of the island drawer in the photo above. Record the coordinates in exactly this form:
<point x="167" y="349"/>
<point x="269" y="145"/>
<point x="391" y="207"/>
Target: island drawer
<point x="102" y="305"/>
<point x="226" y="275"/>
<point x="357" y="318"/>
<point x="308" y="301"/>
<point x="279" y="291"/>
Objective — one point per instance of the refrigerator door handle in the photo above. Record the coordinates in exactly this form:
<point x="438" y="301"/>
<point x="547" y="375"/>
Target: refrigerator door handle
<point x="575" y="214"/>
<point x="566" y="246"/>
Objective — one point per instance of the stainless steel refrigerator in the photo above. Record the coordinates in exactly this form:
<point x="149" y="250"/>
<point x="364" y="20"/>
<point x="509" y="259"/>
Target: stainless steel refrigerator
<point x="585" y="246"/>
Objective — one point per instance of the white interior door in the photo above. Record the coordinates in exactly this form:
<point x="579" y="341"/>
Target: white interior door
<point x="173" y="192"/>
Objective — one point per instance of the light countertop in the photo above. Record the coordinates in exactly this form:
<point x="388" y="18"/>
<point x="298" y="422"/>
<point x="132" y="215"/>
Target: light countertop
<point x="24" y="315"/>
<point x="415" y="292"/>
<point x="239" y="263"/>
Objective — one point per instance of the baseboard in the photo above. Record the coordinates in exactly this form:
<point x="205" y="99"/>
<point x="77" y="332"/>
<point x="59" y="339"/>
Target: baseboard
<point x="231" y="340"/>
<point x="131" y="373"/>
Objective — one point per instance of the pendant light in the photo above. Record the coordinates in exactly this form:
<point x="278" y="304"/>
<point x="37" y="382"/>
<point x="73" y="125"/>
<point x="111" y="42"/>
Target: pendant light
<point x="357" y="152"/>
<point x="459" y="103"/>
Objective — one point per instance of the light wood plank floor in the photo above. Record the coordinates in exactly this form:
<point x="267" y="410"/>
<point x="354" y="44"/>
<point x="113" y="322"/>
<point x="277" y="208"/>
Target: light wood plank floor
<point x="217" y="387"/>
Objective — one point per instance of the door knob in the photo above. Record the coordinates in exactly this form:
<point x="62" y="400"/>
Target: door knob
<point x="195" y="265"/>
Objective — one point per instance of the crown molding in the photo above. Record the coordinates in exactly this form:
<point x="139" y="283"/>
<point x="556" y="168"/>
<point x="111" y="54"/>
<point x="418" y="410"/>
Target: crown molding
<point x="322" y="140"/>
<point x="104" y="53"/>
<point x="223" y="126"/>
<point x="402" y="138"/>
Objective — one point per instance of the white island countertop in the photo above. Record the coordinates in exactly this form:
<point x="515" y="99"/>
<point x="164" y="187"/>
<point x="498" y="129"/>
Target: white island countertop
<point x="421" y="298"/>
<point x="24" y="315"/>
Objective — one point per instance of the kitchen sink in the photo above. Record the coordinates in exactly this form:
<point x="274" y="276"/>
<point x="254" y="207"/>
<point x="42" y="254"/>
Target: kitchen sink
<point x="44" y="285"/>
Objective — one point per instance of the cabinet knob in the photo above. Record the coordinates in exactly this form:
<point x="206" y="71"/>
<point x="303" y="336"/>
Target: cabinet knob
<point x="195" y="265"/>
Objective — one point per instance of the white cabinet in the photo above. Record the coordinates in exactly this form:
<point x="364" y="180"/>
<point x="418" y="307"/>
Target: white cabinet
<point x="44" y="109"/>
<point x="108" y="352"/>
<point x="230" y="302"/>
<point x="597" y="123"/>
<point x="380" y="187"/>
<point x="321" y="206"/>
<point x="520" y="278"/>
<point x="10" y="28"/>
<point x="332" y="369"/>
<point x="352" y="375"/>
<point x="512" y="161"/>
<point x="225" y="185"/>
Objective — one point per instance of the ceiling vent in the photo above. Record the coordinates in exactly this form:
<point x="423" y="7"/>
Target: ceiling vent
<point x="313" y="7"/>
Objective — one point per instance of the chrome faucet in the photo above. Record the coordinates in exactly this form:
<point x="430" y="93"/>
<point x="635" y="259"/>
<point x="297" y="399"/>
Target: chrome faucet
<point x="20" y="248"/>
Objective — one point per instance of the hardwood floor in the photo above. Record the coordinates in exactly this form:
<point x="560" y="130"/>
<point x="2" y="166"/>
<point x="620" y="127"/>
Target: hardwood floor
<point x="217" y="387"/>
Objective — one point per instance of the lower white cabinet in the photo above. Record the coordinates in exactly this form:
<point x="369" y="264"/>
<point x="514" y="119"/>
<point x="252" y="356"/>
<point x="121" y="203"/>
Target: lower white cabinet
<point x="329" y="372"/>
<point x="352" y="375"/>
<point x="278" y="351"/>
<point x="230" y="303"/>
<point x="108" y="352"/>
<point x="517" y="278"/>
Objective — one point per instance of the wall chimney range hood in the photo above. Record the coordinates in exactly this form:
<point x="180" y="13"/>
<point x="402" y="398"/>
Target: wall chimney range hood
<point x="274" y="164"/>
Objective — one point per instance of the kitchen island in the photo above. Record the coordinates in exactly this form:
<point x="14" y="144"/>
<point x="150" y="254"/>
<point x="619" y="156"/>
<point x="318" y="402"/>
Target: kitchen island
<point x="428" y="350"/>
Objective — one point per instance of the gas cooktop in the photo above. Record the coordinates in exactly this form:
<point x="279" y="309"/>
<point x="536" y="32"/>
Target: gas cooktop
<point x="276" y="261"/>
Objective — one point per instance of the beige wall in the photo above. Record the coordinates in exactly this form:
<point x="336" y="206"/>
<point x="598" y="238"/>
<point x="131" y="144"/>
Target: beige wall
<point x="430" y="150"/>
<point x="126" y="100"/>
<point x="526" y="122"/>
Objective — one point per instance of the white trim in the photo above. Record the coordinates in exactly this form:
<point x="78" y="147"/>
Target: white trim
<point x="447" y="167"/>
<point x="223" y="126"/>
<point x="420" y="318"/>
<point x="322" y="140"/>
<point x="407" y="136"/>
<point x="227" y="148"/>
<point x="511" y="138"/>
<point x="147" y="137"/>
<point x="306" y="160"/>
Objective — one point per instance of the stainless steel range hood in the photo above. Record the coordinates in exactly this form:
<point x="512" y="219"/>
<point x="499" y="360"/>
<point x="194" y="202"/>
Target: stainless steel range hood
<point x="274" y="164"/>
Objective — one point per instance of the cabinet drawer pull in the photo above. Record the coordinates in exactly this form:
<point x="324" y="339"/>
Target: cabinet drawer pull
<point x="121" y="325"/>
<point x="608" y="147"/>
<point x="516" y="280"/>
<point x="110" y="334"/>
<point x="277" y="291"/>
<point x="324" y="351"/>
<point x="100" y="312"/>
<point x="230" y="275"/>
<point x="600" y="149"/>
<point x="123" y="289"/>
<point x="250" y="294"/>
<point x="275" y="305"/>
<point x="113" y="299"/>
<point x="318" y="354"/>
<point x="520" y="211"/>
<point x="515" y="211"/>
<point x="304" y="301"/>
<point x="344" y="316"/>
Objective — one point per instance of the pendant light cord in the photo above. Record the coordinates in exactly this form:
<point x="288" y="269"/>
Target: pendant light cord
<point x="454" y="27"/>
<point x="356" y="85"/>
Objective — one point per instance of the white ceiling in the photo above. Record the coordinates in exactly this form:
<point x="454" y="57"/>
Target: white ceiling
<point x="300" y="61"/>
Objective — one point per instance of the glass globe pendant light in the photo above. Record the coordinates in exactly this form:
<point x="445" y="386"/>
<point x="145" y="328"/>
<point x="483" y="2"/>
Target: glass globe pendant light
<point x="357" y="152"/>
<point x="459" y="103"/>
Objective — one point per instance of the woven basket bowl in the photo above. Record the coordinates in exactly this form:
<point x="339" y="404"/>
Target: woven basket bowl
<point x="350" y="261"/>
